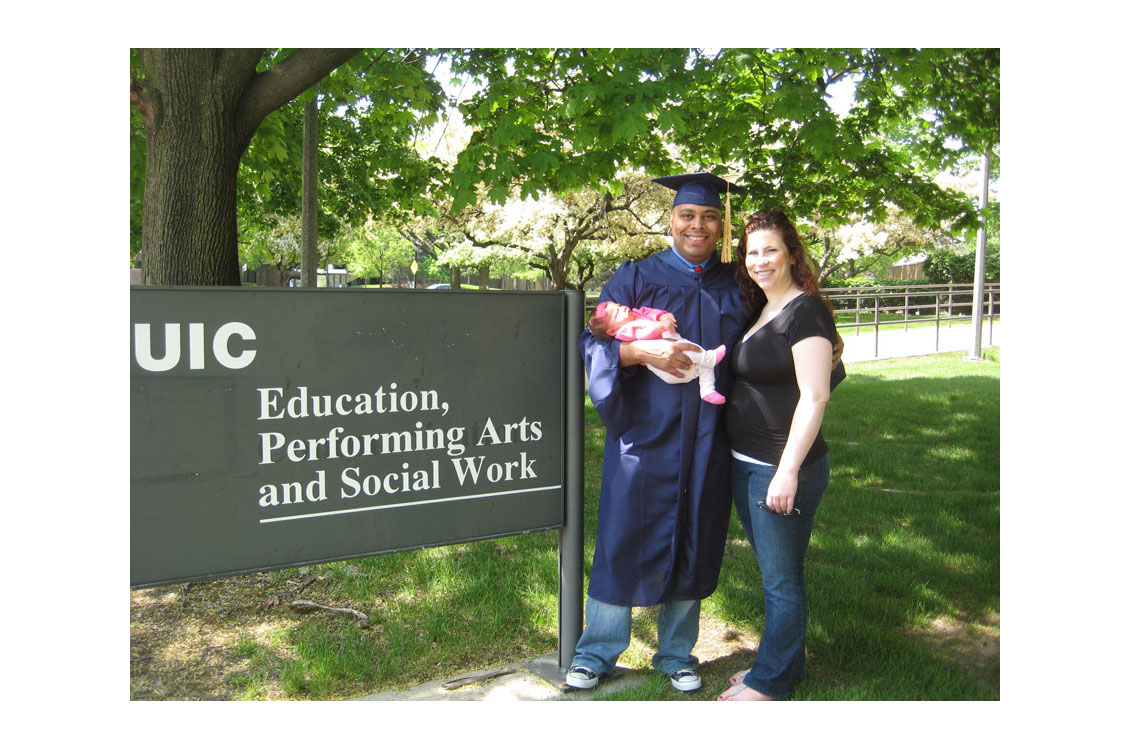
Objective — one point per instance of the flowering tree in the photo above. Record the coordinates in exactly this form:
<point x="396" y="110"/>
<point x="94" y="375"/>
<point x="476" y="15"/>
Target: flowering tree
<point x="571" y="236"/>
<point x="869" y="246"/>
<point x="487" y="260"/>
<point x="866" y="247"/>
<point x="278" y="243"/>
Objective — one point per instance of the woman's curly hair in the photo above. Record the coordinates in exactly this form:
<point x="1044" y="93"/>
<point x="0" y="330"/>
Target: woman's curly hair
<point x="801" y="268"/>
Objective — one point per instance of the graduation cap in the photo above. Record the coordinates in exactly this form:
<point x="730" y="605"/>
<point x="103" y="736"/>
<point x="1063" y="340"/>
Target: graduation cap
<point x="703" y="189"/>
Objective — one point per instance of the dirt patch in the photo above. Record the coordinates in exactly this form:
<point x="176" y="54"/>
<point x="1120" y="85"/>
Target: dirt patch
<point x="976" y="646"/>
<point x="718" y="640"/>
<point x="191" y="641"/>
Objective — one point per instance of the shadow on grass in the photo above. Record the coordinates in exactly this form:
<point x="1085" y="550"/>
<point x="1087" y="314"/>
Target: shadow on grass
<point x="906" y="545"/>
<point x="437" y="611"/>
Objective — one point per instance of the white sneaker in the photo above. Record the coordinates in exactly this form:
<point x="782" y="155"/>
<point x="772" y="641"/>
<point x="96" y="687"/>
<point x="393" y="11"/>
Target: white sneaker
<point x="686" y="680"/>
<point x="582" y="678"/>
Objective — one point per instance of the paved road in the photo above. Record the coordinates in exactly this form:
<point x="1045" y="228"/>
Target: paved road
<point x="895" y="342"/>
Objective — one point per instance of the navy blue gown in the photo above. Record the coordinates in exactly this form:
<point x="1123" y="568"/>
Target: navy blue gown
<point x="665" y="494"/>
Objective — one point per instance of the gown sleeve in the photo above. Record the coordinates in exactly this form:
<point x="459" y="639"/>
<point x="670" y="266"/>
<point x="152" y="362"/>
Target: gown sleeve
<point x="602" y="361"/>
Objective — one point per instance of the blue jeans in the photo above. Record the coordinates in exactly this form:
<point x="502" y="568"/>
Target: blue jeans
<point x="608" y="631"/>
<point x="780" y="543"/>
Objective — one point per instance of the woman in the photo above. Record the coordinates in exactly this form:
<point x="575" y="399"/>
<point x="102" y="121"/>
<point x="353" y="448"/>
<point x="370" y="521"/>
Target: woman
<point x="780" y="461"/>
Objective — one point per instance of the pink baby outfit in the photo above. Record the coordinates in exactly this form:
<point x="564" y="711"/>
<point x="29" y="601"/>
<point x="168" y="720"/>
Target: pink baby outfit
<point x="644" y="325"/>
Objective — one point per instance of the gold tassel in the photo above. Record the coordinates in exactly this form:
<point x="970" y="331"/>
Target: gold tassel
<point x="727" y="241"/>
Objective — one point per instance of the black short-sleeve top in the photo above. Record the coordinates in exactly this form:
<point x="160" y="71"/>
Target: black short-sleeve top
<point x="763" y="399"/>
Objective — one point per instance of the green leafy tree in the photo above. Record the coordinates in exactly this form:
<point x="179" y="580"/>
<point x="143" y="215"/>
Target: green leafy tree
<point x="947" y="267"/>
<point x="136" y="180"/>
<point x="559" y="120"/>
<point x="952" y="265"/>
<point x="372" y="114"/>
<point x="435" y="235"/>
<point x="372" y="251"/>
<point x="551" y="122"/>
<point x="201" y="109"/>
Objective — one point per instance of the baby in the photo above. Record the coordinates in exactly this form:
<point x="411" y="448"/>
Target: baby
<point x="610" y="320"/>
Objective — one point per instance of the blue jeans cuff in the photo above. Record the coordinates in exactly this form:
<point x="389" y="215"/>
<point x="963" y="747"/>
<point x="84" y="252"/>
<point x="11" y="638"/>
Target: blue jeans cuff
<point x="590" y="664"/>
<point x="763" y="688"/>
<point x="671" y="666"/>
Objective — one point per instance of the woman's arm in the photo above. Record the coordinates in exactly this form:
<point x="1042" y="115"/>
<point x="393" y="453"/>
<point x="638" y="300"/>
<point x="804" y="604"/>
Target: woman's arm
<point x="812" y="358"/>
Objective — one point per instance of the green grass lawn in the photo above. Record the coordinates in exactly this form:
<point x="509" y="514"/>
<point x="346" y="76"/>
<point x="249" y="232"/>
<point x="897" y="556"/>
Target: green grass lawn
<point x="906" y="545"/>
<point x="903" y="571"/>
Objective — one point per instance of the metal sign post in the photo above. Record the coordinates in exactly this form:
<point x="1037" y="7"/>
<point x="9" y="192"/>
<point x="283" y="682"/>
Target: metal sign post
<point x="570" y="576"/>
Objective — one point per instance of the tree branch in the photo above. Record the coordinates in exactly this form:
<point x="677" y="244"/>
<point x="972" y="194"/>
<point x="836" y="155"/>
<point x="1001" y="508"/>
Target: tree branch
<point x="499" y="243"/>
<point x="362" y="618"/>
<point x="276" y="86"/>
<point x="833" y="77"/>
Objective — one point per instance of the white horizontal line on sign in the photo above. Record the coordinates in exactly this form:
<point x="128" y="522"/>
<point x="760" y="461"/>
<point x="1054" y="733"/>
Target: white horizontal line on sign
<point x="405" y="505"/>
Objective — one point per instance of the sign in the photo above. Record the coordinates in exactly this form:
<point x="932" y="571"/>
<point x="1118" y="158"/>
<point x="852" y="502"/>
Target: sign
<point x="277" y="427"/>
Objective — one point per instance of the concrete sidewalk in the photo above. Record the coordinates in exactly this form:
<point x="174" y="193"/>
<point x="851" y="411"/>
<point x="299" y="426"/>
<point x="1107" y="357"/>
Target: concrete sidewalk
<point x="536" y="679"/>
<point x="895" y="342"/>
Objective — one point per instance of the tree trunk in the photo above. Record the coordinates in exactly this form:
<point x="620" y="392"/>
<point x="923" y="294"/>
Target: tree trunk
<point x="484" y="276"/>
<point x="192" y="155"/>
<point x="201" y="108"/>
<point x="557" y="264"/>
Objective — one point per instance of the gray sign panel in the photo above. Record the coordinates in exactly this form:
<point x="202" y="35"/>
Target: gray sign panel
<point x="274" y="427"/>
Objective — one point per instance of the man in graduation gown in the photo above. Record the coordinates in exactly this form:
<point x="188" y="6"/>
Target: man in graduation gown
<point x="665" y="496"/>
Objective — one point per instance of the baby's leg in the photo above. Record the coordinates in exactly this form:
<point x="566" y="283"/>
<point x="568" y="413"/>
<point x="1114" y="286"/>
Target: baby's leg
<point x="688" y="374"/>
<point x="667" y="377"/>
<point x="705" y="370"/>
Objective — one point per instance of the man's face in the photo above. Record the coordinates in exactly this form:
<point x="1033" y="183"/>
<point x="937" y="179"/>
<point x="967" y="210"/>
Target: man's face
<point x="695" y="231"/>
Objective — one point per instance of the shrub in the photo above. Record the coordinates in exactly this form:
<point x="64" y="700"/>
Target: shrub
<point x="947" y="267"/>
